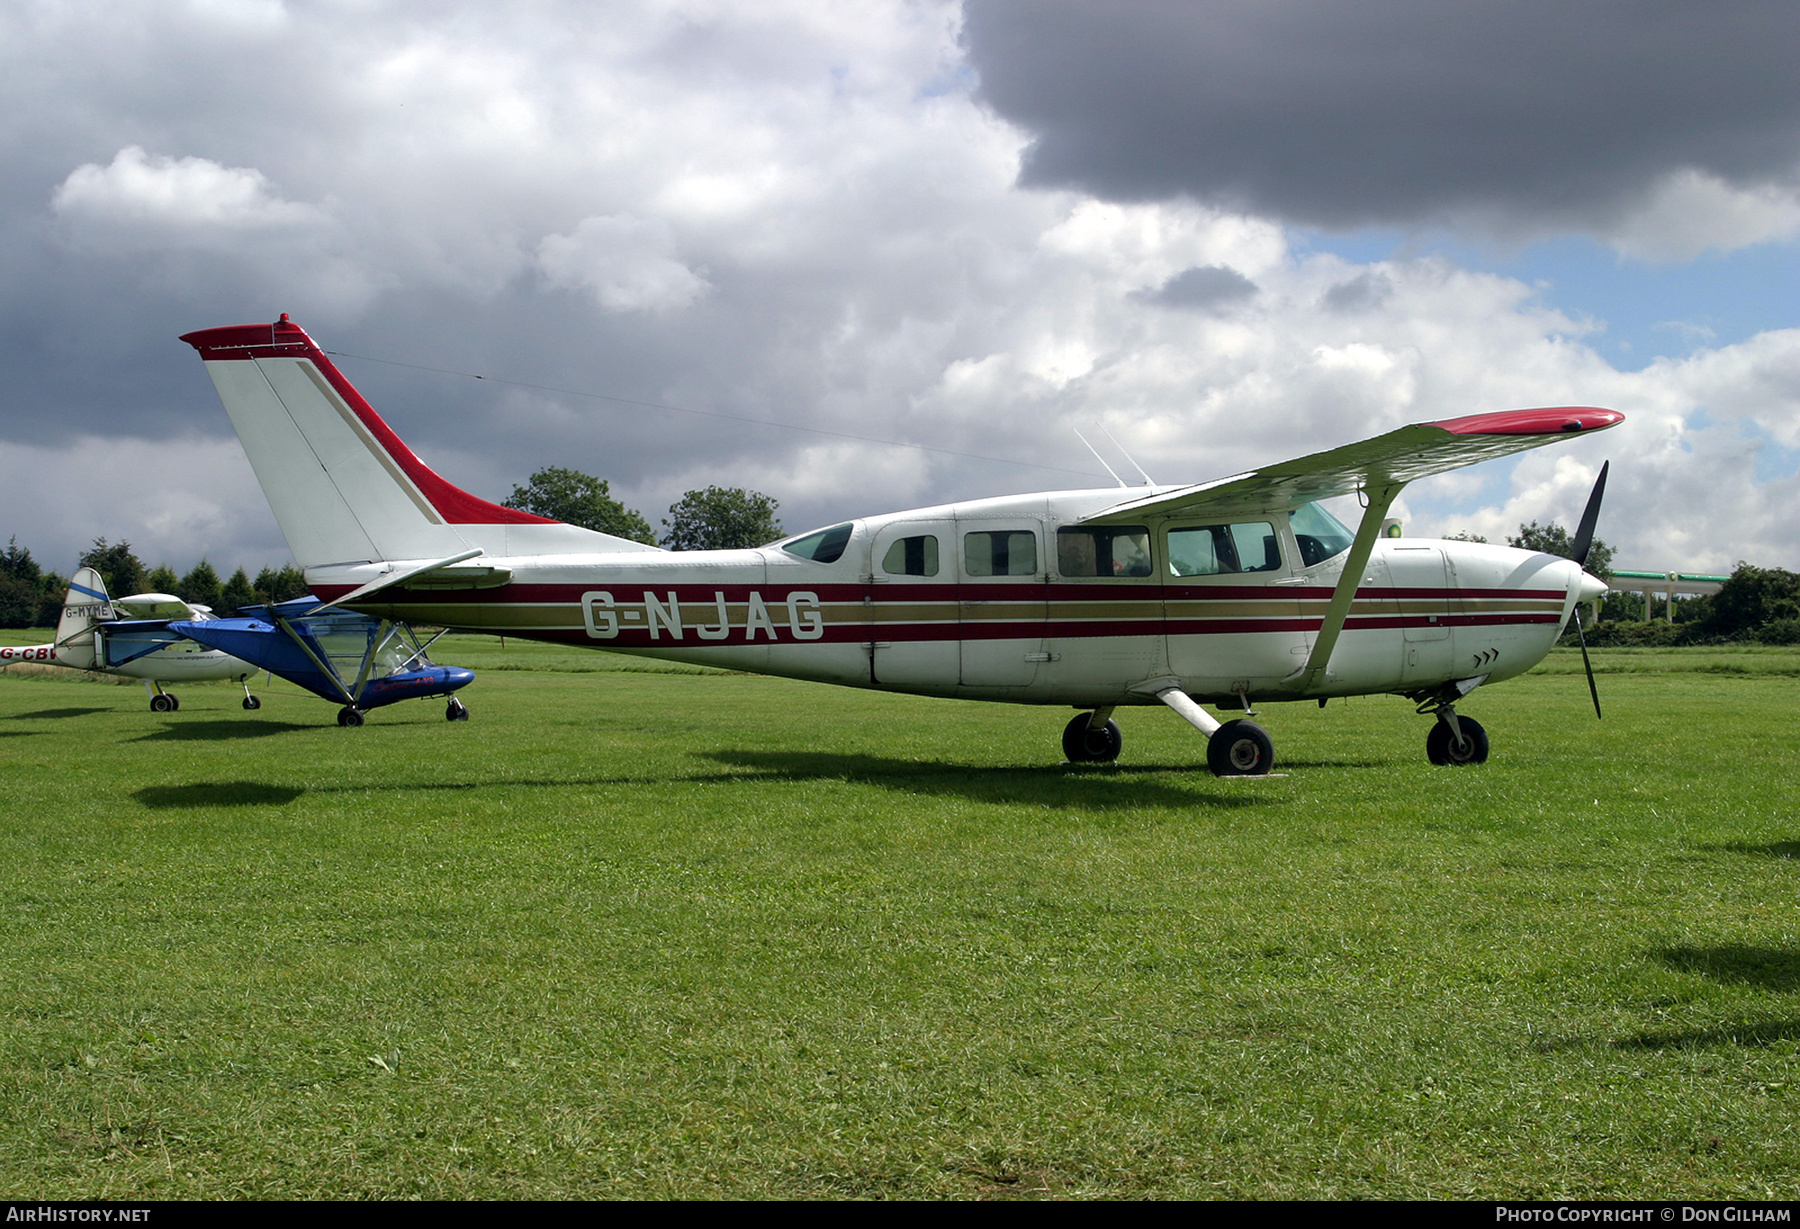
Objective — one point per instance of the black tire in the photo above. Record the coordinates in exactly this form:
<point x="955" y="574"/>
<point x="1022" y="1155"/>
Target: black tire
<point x="174" y="700"/>
<point x="1442" y="749"/>
<point x="350" y="716"/>
<point x="1240" y="749"/>
<point x="1083" y="744"/>
<point x="456" y="711"/>
<point x="162" y="704"/>
<point x="251" y="704"/>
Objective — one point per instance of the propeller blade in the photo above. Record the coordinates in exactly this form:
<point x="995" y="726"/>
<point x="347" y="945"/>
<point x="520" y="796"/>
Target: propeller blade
<point x="1585" y="663"/>
<point x="1584" y="535"/>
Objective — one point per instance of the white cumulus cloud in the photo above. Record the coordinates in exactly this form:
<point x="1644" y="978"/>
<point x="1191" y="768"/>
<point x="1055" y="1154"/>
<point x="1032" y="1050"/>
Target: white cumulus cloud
<point x="627" y="263"/>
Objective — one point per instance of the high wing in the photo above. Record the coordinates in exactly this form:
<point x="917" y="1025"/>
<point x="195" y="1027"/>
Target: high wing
<point x="1385" y="462"/>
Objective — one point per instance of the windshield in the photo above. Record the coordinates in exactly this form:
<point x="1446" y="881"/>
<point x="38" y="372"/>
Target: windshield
<point x="824" y="546"/>
<point x="1319" y="534"/>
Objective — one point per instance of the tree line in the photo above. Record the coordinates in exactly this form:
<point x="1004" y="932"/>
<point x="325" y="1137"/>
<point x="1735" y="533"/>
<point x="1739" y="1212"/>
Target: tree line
<point x="1755" y="605"/>
<point x="716" y="518"/>
<point x="31" y="596"/>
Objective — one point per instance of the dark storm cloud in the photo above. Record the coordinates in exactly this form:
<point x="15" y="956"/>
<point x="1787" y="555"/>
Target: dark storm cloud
<point x="1203" y="288"/>
<point x="1530" y="112"/>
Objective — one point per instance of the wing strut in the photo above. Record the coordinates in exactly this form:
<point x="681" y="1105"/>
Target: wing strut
<point x="1380" y="499"/>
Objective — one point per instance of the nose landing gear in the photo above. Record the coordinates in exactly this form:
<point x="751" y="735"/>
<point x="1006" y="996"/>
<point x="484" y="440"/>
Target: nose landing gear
<point x="1092" y="738"/>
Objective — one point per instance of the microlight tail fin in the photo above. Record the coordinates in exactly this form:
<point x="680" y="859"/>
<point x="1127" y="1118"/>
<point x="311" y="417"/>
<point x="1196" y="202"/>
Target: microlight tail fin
<point x="344" y="488"/>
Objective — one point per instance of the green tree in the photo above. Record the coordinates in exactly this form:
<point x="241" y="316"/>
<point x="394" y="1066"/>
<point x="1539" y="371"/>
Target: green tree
<point x="721" y="518"/>
<point x="161" y="579"/>
<point x="1553" y="539"/>
<point x="200" y="587"/>
<point x="122" y="571"/>
<point x="1753" y="597"/>
<point x="236" y="594"/>
<point x="20" y="578"/>
<point x="272" y="586"/>
<point x="53" y="588"/>
<point x="575" y="498"/>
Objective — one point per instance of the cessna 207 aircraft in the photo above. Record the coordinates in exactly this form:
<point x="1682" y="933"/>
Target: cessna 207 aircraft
<point x="1227" y="592"/>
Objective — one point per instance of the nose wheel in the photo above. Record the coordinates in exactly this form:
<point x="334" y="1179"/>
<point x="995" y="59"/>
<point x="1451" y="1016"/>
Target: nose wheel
<point x="455" y="711"/>
<point x="1455" y="741"/>
<point x="349" y="715"/>
<point x="164" y="702"/>
<point x="1085" y="742"/>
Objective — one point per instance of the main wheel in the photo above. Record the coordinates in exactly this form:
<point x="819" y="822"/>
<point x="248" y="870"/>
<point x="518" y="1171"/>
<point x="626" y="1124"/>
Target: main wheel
<point x="348" y="716"/>
<point x="456" y="711"/>
<point x="1240" y="749"/>
<point x="1442" y="747"/>
<point x="251" y="703"/>
<point x="174" y="700"/>
<point x="162" y="702"/>
<point x="1083" y="744"/>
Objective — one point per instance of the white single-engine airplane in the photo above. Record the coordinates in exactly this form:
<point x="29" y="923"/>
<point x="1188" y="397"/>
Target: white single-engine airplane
<point x="130" y="636"/>
<point x="1238" y="589"/>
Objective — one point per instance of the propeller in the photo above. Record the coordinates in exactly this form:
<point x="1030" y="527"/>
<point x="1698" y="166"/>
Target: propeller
<point x="1584" y="542"/>
<point x="1584" y="534"/>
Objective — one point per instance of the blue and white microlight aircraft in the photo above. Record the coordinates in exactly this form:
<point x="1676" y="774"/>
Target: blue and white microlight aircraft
<point x="353" y="659"/>
<point x="1221" y="593"/>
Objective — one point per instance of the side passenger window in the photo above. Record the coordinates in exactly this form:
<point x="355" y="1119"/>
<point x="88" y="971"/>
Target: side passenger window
<point x="1123" y="551"/>
<point x="912" y="557"/>
<point x="1005" y="553"/>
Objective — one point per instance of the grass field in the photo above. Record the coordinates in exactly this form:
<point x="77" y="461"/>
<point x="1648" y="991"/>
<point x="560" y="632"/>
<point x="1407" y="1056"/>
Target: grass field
<point x="641" y="933"/>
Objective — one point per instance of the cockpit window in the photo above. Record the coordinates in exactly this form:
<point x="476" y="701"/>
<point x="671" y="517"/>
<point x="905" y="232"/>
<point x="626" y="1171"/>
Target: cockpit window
<point x="824" y="546"/>
<point x="1213" y="550"/>
<point x="1319" y="534"/>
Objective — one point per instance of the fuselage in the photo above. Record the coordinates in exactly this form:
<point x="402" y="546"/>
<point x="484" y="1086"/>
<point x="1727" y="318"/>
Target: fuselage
<point x="1009" y="599"/>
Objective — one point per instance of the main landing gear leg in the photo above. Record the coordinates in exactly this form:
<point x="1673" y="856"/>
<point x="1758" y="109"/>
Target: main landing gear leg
<point x="1233" y="748"/>
<point x="160" y="701"/>
<point x="1092" y="738"/>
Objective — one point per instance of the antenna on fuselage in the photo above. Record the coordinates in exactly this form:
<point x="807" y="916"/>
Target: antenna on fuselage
<point x="1148" y="480"/>
<point x="1098" y="457"/>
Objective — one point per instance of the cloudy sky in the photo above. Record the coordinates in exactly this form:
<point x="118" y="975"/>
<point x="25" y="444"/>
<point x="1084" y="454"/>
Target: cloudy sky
<point x="868" y="256"/>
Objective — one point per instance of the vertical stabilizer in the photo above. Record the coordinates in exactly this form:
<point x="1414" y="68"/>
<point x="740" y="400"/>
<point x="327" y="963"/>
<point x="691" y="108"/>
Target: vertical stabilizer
<point x="344" y="488"/>
<point x="85" y="605"/>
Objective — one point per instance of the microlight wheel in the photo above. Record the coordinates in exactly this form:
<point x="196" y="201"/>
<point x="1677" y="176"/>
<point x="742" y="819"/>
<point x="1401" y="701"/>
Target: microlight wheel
<point x="1240" y="749"/>
<point x="1083" y="744"/>
<point x="174" y="700"/>
<point x="251" y="703"/>
<point x="456" y="711"/>
<point x="350" y="716"/>
<point x="1442" y="747"/>
<point x="162" y="703"/>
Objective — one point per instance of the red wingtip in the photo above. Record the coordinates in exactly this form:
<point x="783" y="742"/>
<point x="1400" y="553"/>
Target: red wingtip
<point x="1551" y="420"/>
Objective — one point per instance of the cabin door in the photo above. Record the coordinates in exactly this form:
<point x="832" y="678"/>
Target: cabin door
<point x="1002" y="600"/>
<point x="913" y="625"/>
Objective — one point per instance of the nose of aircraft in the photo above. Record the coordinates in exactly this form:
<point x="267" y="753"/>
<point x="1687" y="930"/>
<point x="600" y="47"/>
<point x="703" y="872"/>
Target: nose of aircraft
<point x="1587" y="587"/>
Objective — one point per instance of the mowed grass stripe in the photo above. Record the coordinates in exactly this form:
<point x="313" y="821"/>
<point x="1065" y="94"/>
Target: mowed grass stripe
<point x="690" y="934"/>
